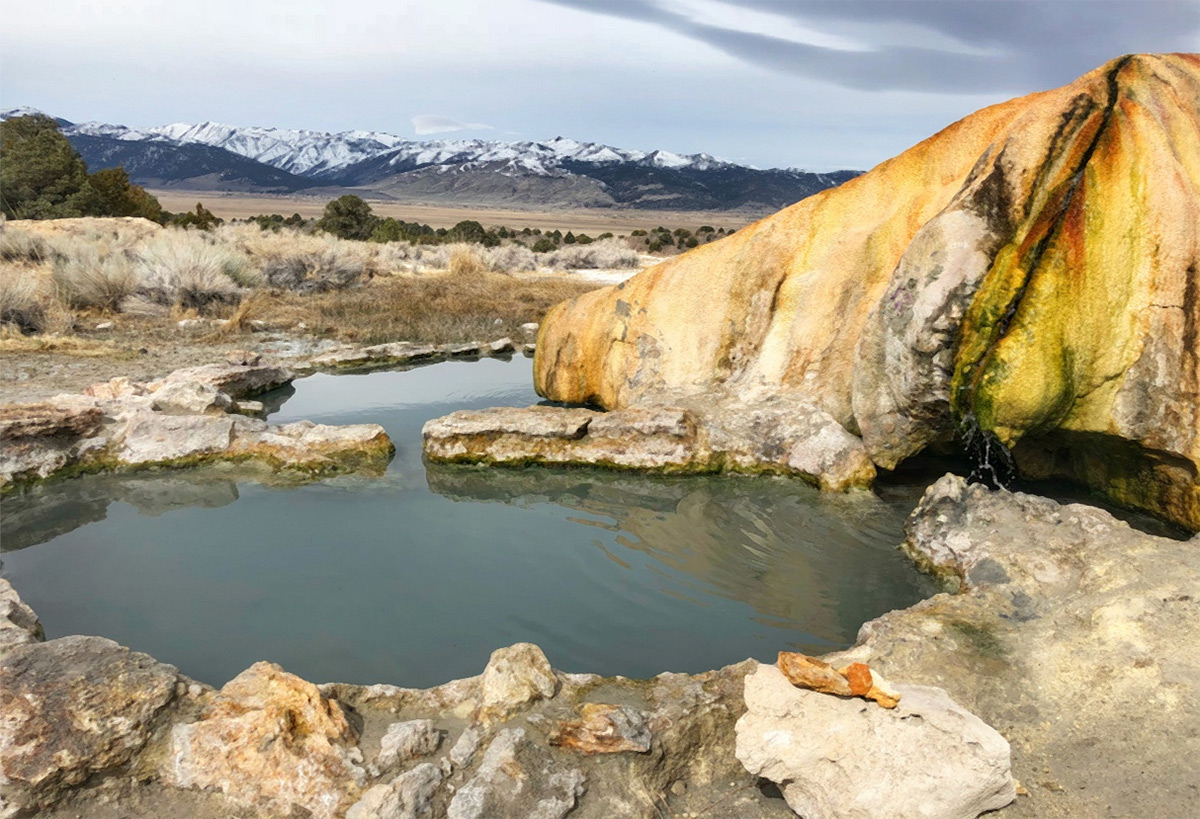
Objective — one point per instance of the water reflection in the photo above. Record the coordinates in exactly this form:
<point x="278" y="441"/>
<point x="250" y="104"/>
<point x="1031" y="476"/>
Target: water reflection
<point x="797" y="556"/>
<point x="56" y="508"/>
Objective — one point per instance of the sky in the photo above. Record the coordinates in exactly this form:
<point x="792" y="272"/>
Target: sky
<point x="814" y="84"/>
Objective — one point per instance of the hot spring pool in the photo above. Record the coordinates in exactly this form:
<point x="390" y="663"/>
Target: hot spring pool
<point x="413" y="578"/>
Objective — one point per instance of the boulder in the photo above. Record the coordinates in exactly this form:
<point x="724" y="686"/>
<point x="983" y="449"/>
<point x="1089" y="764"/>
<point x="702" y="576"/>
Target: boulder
<point x="18" y="624"/>
<point x="515" y="676"/>
<point x="404" y="741"/>
<point x="408" y="796"/>
<point x="844" y="758"/>
<point x="517" y="778"/>
<point x="604" y="729"/>
<point x="270" y="740"/>
<point x="999" y="287"/>
<point x="190" y="398"/>
<point x="73" y="707"/>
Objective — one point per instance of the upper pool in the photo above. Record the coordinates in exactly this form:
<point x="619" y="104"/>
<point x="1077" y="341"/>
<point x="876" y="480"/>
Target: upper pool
<point x="413" y="578"/>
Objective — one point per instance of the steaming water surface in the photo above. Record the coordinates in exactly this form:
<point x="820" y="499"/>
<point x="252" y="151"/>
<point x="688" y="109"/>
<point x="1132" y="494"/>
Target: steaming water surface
<point x="413" y="578"/>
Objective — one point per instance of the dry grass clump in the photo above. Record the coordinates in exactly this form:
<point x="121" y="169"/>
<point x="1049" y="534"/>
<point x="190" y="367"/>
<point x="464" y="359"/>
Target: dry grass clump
<point x="22" y="246"/>
<point x="431" y="308"/>
<point x="510" y="259"/>
<point x="90" y="278"/>
<point x="186" y="270"/>
<point x="605" y="254"/>
<point x="13" y="342"/>
<point x="465" y="262"/>
<point x="21" y="303"/>
<point x="317" y="272"/>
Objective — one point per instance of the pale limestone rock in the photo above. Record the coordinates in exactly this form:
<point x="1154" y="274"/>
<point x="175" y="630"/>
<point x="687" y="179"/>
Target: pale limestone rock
<point x="71" y="708"/>
<point x="517" y="778"/>
<point x="233" y="380"/>
<point x="501" y="346"/>
<point x="408" y="796"/>
<point x="380" y="354"/>
<point x="604" y="729"/>
<point x="18" y="623"/>
<point x="270" y="740"/>
<point x="190" y="398"/>
<point x="833" y="757"/>
<point x="249" y="407"/>
<point x="515" y="676"/>
<point x="465" y="746"/>
<point x="775" y="435"/>
<point x="154" y="437"/>
<point x="37" y="440"/>
<point x="407" y="740"/>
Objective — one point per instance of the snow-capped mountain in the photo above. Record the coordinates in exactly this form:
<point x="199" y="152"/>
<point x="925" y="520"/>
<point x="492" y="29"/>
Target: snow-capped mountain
<point x="569" y="171"/>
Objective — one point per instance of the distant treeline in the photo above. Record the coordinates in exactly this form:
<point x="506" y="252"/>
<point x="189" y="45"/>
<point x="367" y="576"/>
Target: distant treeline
<point x="350" y="217"/>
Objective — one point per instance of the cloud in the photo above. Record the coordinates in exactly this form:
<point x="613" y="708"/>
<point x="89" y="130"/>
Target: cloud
<point x="433" y="124"/>
<point x="946" y="46"/>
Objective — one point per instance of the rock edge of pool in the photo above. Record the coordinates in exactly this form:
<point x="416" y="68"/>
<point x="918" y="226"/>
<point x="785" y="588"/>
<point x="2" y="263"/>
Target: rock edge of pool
<point x="1047" y="677"/>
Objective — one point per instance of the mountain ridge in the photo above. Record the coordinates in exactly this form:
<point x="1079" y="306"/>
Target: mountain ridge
<point x="558" y="171"/>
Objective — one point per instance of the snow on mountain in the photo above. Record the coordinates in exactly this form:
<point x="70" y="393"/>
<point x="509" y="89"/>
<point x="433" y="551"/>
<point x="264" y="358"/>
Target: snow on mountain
<point x="321" y="154"/>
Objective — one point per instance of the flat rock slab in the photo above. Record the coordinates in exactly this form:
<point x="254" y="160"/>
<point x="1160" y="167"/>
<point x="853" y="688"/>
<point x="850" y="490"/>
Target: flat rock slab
<point x="236" y="381"/>
<point x="840" y="758"/>
<point x="777" y="436"/>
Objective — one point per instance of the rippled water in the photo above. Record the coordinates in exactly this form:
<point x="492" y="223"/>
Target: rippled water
<point x="414" y="577"/>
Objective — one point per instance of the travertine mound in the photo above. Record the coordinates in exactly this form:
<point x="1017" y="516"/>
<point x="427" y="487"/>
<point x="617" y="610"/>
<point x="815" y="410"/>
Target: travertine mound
<point x="1025" y="277"/>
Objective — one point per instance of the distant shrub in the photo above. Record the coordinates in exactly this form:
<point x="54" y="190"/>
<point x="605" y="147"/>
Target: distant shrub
<point x="348" y="217"/>
<point x="201" y="218"/>
<point x="569" y="239"/>
<point x="584" y="239"/>
<point x="691" y="241"/>
<point x="543" y="245"/>
<point x="89" y="278"/>
<point x="638" y="233"/>
<point x="654" y="246"/>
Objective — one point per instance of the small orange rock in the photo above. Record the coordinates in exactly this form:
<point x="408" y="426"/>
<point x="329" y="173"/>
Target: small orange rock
<point x="859" y="677"/>
<point x="809" y="672"/>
